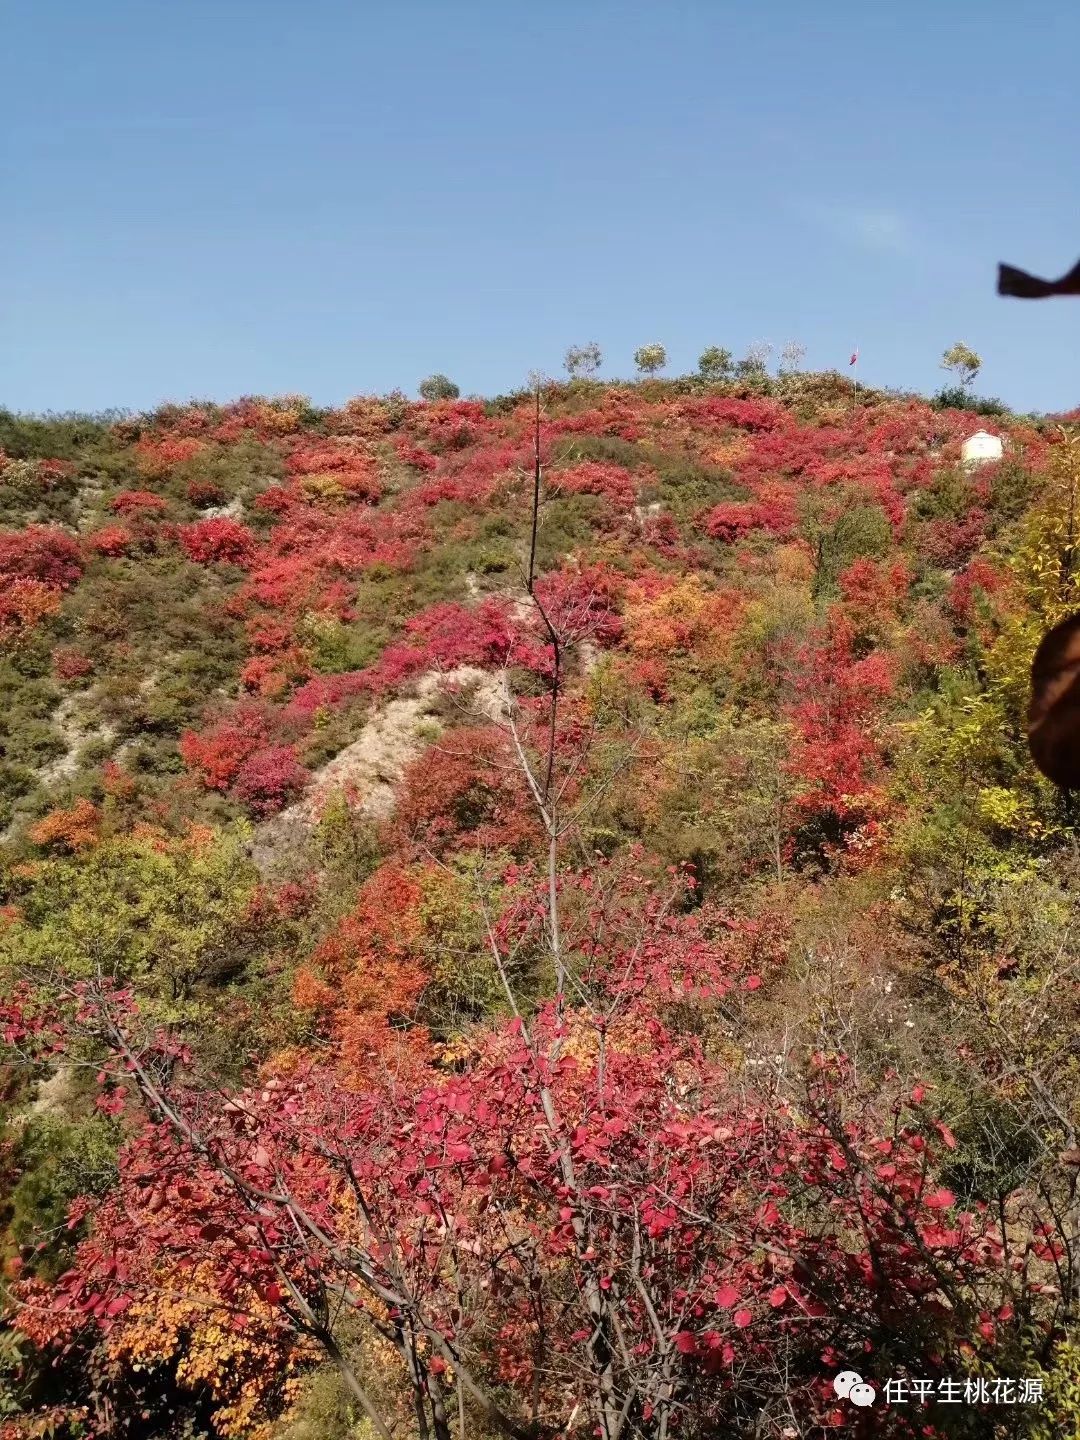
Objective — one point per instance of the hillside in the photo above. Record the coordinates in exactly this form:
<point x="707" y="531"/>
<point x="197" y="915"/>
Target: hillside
<point x="463" y="983"/>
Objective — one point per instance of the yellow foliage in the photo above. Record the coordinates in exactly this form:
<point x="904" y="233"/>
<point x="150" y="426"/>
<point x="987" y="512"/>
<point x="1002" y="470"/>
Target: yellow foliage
<point x="1009" y="811"/>
<point x="282" y="414"/>
<point x="963" y="738"/>
<point x="690" y="618"/>
<point x="793" y="564"/>
<point x="729" y="452"/>
<point x="1046" y="562"/>
<point x="326" y="488"/>
<point x="1058" y="1417"/>
<point x="249" y="1371"/>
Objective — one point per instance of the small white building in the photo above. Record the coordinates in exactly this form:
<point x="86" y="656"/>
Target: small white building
<point x="980" y="449"/>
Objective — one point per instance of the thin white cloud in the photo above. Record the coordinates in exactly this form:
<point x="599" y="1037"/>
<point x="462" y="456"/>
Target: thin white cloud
<point x="882" y="230"/>
<point x="871" y="228"/>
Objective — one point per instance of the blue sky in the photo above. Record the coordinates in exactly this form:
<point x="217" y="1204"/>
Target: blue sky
<point x="209" y="198"/>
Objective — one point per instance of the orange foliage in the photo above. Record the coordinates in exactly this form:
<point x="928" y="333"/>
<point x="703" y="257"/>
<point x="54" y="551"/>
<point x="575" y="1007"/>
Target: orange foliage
<point x="466" y="790"/>
<point x="384" y="920"/>
<point x="76" y="829"/>
<point x="311" y="993"/>
<point x="24" y="603"/>
<point x="684" y="617"/>
<point x="155" y="458"/>
<point x="373" y="978"/>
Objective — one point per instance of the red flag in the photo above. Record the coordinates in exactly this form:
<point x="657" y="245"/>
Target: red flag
<point x="854" y="357"/>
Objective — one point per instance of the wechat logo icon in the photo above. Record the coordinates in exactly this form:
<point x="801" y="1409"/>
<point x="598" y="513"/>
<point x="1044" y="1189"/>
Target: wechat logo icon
<point x="850" y="1385"/>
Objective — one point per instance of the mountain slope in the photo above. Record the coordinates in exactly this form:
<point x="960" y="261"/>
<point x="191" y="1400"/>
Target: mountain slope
<point x="335" y="803"/>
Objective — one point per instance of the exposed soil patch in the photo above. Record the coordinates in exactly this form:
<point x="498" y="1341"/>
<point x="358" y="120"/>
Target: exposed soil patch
<point x="367" y="771"/>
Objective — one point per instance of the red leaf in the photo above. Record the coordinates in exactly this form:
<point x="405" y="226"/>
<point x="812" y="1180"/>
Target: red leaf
<point x="939" y="1200"/>
<point x="946" y="1135"/>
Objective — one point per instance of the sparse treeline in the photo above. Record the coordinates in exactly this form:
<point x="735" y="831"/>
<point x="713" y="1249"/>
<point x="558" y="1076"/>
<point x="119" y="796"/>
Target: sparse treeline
<point x="717" y="364"/>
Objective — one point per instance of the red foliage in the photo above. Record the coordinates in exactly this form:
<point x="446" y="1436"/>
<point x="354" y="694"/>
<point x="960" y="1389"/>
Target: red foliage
<point x="591" y="478"/>
<point x="313" y="553"/>
<point x="733" y="519"/>
<point x="70" y="663"/>
<point x="449" y="425"/>
<point x="268" y="779"/>
<point x="375" y="978"/>
<point x="50" y="471"/>
<point x="873" y="592"/>
<point x="978" y="577"/>
<point x="72" y="830"/>
<point x="837" y="753"/>
<point x="443" y="637"/>
<point x="951" y="543"/>
<point x="582" y="603"/>
<point x="138" y="502"/>
<point x="350" y="465"/>
<point x="410" y="453"/>
<point x="217" y="540"/>
<point x="203" y="493"/>
<point x="23" y="605"/>
<point x="754" y="1229"/>
<point x="466" y="791"/>
<point x="218" y="753"/>
<point x="41" y="553"/>
<point x="117" y="781"/>
<point x="271" y="675"/>
<point x="156" y="457"/>
<point x="111" y="540"/>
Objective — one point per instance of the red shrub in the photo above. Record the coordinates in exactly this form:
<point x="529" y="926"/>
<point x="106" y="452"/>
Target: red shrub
<point x="950" y="543"/>
<point x="111" y="540"/>
<point x="466" y="790"/>
<point x="71" y="664"/>
<point x="138" y="502"/>
<point x="218" y="753"/>
<point x="582" y="604"/>
<point x="23" y="605"/>
<point x="590" y="478"/>
<point x="221" y="539"/>
<point x="411" y="454"/>
<point x="155" y="458"/>
<point x="977" y="576"/>
<point x="350" y="466"/>
<point x="202" y="493"/>
<point x="873" y="591"/>
<point x="49" y="471"/>
<point x="442" y="637"/>
<point x="732" y="519"/>
<point x="275" y="500"/>
<point x="269" y="779"/>
<point x="836" y="753"/>
<point x="69" y="830"/>
<point x="41" y="553"/>
<point x="271" y="675"/>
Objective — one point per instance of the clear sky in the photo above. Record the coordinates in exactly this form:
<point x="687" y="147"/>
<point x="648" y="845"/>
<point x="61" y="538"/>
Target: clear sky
<point x="209" y="198"/>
